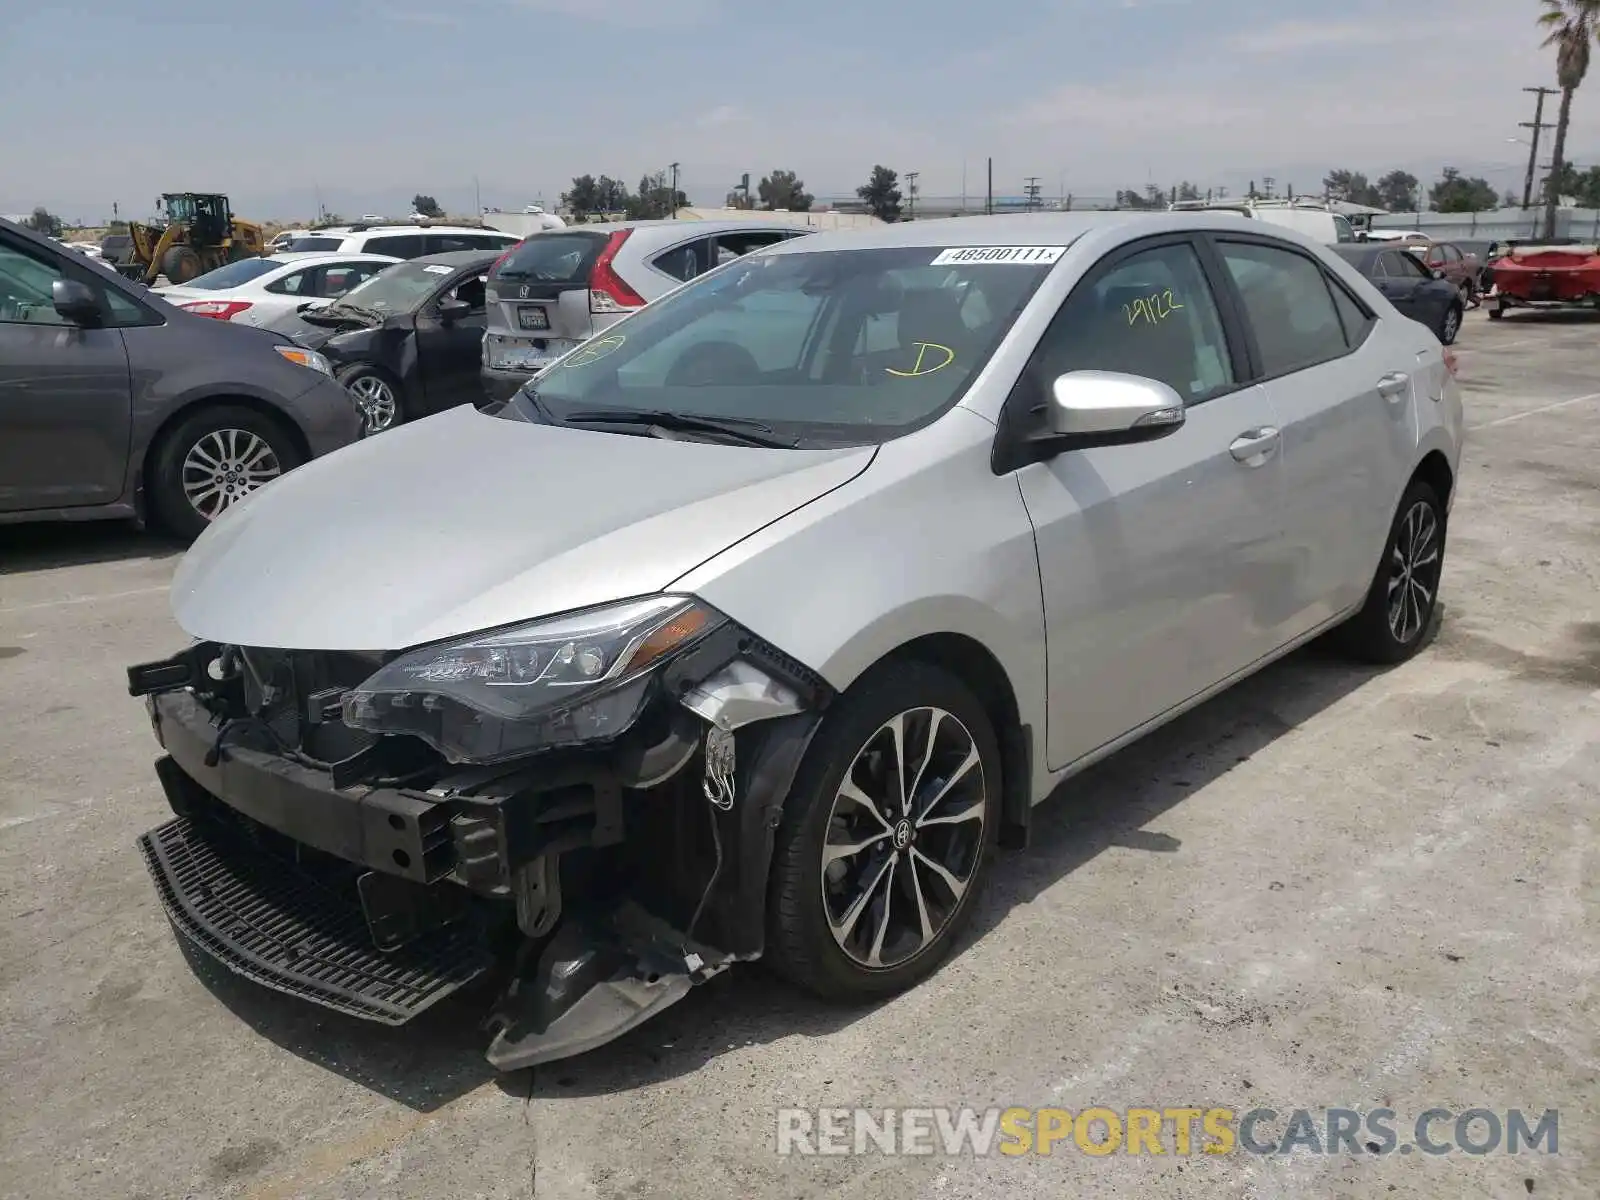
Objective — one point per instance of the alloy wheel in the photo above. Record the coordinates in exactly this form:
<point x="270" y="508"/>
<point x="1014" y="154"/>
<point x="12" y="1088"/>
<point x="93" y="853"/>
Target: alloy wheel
<point x="224" y="467"/>
<point x="1414" y="572"/>
<point x="905" y="837"/>
<point x="1452" y="326"/>
<point x="377" y="402"/>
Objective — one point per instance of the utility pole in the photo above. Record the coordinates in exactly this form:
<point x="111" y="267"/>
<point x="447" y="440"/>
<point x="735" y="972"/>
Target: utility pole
<point x="1030" y="189"/>
<point x="1536" y="125"/>
<point x="988" y="203"/>
<point x="477" y="198"/>
<point x="1267" y="181"/>
<point x="911" y="195"/>
<point x="672" y="200"/>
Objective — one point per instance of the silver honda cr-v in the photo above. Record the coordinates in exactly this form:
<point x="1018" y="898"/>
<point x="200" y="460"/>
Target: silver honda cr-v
<point x="755" y="622"/>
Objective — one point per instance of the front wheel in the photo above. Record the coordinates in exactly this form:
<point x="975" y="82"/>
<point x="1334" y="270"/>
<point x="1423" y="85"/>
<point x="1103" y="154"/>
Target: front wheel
<point x="377" y="395"/>
<point x="212" y="460"/>
<point x="1397" y="619"/>
<point x="886" y="835"/>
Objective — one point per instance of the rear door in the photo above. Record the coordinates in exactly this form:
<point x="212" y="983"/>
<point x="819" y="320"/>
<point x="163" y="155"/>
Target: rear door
<point x="65" y="400"/>
<point x="1339" y="378"/>
<point x="449" y="354"/>
<point x="539" y="298"/>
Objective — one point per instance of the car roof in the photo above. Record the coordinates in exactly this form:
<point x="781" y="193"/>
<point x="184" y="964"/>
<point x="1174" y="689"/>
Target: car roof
<point x="1021" y="229"/>
<point x="458" y="258"/>
<point x="776" y="221"/>
<point x="312" y="257"/>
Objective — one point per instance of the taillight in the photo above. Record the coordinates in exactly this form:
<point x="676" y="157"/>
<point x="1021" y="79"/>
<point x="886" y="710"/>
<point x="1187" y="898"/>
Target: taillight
<point x="607" y="292"/>
<point x="222" y="310"/>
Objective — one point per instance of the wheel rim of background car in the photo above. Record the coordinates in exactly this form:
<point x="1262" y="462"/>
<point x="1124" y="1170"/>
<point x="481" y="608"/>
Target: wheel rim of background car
<point x="1414" y="574"/>
<point x="1452" y="325"/>
<point x="224" y="467"/>
<point x="377" y="402"/>
<point x="898" y="855"/>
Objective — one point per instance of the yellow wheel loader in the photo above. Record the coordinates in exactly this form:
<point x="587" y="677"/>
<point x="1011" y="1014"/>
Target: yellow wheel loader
<point x="200" y="235"/>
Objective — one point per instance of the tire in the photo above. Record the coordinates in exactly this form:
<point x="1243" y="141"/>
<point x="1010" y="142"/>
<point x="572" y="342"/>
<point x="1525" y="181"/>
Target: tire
<point x="180" y="264"/>
<point x="375" y="388"/>
<point x="1373" y="635"/>
<point x="1498" y="312"/>
<point x="1450" y="325"/>
<point x="854" y="740"/>
<point x="205" y="437"/>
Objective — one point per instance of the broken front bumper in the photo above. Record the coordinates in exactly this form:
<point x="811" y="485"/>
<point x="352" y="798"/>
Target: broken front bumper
<point x="379" y="901"/>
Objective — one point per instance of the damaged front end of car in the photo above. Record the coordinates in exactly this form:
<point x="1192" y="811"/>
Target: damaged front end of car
<point x="586" y="804"/>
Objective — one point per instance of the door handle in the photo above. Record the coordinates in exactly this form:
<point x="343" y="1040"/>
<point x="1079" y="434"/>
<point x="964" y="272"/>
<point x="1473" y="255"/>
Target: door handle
<point x="1393" y="386"/>
<point x="1254" y="446"/>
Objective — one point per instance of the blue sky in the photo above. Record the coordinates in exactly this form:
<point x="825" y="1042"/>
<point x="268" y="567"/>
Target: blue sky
<point x="370" y="101"/>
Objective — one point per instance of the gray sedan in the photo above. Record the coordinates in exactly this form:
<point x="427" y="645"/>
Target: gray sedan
<point x="114" y="402"/>
<point x="753" y="624"/>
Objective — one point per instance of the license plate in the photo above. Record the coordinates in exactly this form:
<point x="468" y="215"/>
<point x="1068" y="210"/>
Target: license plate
<point x="532" y="318"/>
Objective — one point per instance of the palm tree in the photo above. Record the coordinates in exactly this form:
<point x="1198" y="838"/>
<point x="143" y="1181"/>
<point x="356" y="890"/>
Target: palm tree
<point x="1573" y="25"/>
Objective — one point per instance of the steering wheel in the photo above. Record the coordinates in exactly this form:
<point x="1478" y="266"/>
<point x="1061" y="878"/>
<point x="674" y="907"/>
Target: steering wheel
<point x="714" y="364"/>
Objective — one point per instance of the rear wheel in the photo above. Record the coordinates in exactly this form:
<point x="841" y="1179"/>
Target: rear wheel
<point x="1397" y="619"/>
<point x="213" y="459"/>
<point x="1498" y="311"/>
<point x="180" y="264"/>
<point x="885" y="838"/>
<point x="377" y="394"/>
<point x="1450" y="327"/>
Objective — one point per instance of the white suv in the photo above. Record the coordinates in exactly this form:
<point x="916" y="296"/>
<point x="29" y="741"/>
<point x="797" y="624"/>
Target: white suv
<point x="400" y="241"/>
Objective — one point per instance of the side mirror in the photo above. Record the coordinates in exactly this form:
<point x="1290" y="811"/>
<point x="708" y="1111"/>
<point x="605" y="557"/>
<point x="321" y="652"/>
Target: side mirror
<point x="453" y="310"/>
<point x="1107" y="408"/>
<point x="75" y="301"/>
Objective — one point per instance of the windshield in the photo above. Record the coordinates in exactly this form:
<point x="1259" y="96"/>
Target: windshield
<point x="400" y="288"/>
<point x="833" y="347"/>
<point x="233" y="274"/>
<point x="553" y="258"/>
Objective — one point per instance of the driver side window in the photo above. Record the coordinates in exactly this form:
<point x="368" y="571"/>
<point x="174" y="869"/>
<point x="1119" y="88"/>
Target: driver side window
<point x="1152" y="315"/>
<point x="25" y="292"/>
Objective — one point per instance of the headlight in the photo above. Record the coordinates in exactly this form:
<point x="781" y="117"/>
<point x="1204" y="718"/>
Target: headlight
<point x="306" y="358"/>
<point x="555" y="682"/>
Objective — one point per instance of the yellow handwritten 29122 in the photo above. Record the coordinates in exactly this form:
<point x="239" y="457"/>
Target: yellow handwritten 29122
<point x="1154" y="308"/>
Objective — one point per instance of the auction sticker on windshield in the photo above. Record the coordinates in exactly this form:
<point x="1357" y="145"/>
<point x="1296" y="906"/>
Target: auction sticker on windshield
<point x="965" y="255"/>
<point x="436" y="269"/>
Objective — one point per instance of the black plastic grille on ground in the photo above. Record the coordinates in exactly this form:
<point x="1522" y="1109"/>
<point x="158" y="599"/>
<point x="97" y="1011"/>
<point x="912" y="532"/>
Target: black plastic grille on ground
<point x="272" y="922"/>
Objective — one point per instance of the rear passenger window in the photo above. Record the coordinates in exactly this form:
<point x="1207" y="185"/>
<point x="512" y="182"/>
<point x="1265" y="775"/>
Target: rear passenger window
<point x="1151" y="315"/>
<point x="1290" y="308"/>
<point x="441" y="243"/>
<point x="292" y="285"/>
<point x="1355" y="319"/>
<point x="406" y="245"/>
<point x="686" y="261"/>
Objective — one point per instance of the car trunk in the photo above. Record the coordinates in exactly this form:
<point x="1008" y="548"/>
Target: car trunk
<point x="539" y="298"/>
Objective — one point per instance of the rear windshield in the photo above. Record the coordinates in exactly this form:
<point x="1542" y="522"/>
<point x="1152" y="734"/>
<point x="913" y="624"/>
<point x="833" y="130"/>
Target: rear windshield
<point x="553" y="258"/>
<point x="301" y="245"/>
<point x="234" y="274"/>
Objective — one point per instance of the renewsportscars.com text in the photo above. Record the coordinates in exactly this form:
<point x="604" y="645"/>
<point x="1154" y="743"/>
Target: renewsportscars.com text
<point x="1179" y="1131"/>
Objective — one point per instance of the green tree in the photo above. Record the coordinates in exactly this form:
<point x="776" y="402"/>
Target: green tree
<point x="881" y="193"/>
<point x="426" y="205"/>
<point x="1187" y="191"/>
<point x="654" y="200"/>
<point x="1573" y="26"/>
<point x="1133" y="198"/>
<point x="1397" y="191"/>
<point x="1351" y="186"/>
<point x="45" y="222"/>
<point x="1458" y="194"/>
<point x="582" y="198"/>
<point x="784" y="189"/>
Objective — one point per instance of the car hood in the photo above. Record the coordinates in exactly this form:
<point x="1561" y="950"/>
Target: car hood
<point x="465" y="521"/>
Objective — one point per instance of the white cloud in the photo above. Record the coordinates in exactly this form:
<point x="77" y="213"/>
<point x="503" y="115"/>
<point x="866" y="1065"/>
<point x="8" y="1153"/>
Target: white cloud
<point x="1291" y="36"/>
<point x="723" y="114"/>
<point x="625" y="14"/>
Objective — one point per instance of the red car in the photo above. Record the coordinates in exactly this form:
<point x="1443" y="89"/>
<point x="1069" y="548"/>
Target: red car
<point x="1459" y="267"/>
<point x="1555" y="273"/>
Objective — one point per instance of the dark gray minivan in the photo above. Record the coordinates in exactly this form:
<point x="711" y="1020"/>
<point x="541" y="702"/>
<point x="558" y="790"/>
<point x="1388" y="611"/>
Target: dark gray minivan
<point x="114" y="402"/>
